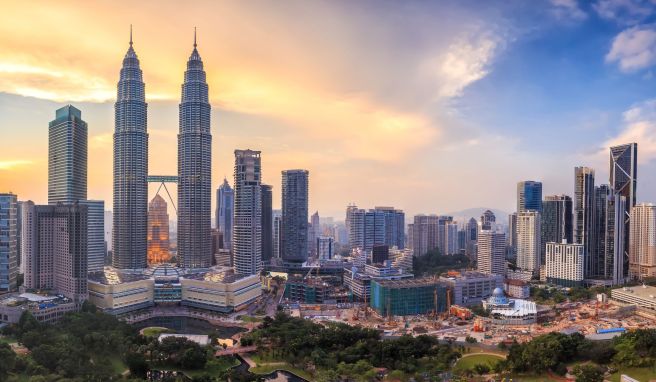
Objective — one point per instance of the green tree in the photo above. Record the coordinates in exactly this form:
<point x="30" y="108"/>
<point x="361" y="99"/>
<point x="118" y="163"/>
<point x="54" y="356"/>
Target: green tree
<point x="588" y="373"/>
<point x="481" y="368"/>
<point x="137" y="364"/>
<point x="7" y="360"/>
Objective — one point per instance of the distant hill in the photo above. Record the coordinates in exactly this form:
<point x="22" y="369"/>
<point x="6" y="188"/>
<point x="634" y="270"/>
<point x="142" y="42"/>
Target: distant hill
<point x="464" y="215"/>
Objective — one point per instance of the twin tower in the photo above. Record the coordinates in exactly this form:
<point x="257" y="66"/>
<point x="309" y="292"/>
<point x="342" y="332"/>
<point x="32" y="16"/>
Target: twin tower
<point x="131" y="168"/>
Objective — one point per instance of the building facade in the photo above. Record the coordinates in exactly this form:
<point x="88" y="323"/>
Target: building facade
<point x="491" y="251"/>
<point x="529" y="241"/>
<point x="295" y="185"/>
<point x="557" y="220"/>
<point x="247" y="228"/>
<point x="408" y="297"/>
<point x="130" y="244"/>
<point x="67" y="157"/>
<point x="584" y="216"/>
<point x="642" y="246"/>
<point x="158" y="232"/>
<point x="267" y="223"/>
<point x="623" y="183"/>
<point x="565" y="264"/>
<point x="8" y="242"/>
<point x="95" y="234"/>
<point x="225" y="204"/>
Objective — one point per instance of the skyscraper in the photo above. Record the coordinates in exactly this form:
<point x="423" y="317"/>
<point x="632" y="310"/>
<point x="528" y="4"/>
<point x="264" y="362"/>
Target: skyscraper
<point x="294" y="216"/>
<point x="8" y="245"/>
<point x="355" y="226"/>
<point x="584" y="216"/>
<point x="491" y="248"/>
<point x="529" y="241"/>
<point x="247" y="228"/>
<point x="130" y="167"/>
<point x="394" y="226"/>
<point x="314" y="231"/>
<point x="56" y="254"/>
<point x="425" y="232"/>
<point x="623" y="182"/>
<point x="195" y="168"/>
<point x="267" y="223"/>
<point x="225" y="204"/>
<point x="529" y="196"/>
<point x="374" y="229"/>
<point x="609" y="235"/>
<point x="487" y="219"/>
<point x="95" y="234"/>
<point x="158" y="231"/>
<point x="67" y="157"/>
<point x="556" y="221"/>
<point x="642" y="248"/>
<point x="471" y="235"/>
<point x="512" y="235"/>
<point x="277" y="221"/>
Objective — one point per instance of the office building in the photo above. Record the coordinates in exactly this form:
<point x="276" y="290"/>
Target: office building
<point x="8" y="244"/>
<point x="314" y="231"/>
<point x="529" y="241"/>
<point x="95" y="234"/>
<point x="19" y="236"/>
<point x="277" y="222"/>
<point x="295" y="216"/>
<point x="564" y="264"/>
<point x="56" y="250"/>
<point x="491" y="251"/>
<point x="378" y="226"/>
<point x="609" y="235"/>
<point x="67" y="157"/>
<point x="408" y="297"/>
<point x="109" y="226"/>
<point x="529" y="196"/>
<point x="623" y="182"/>
<point x="471" y="288"/>
<point x="130" y="207"/>
<point x="512" y="236"/>
<point x="355" y="226"/>
<point x="471" y="235"/>
<point x="225" y="204"/>
<point x="267" y="223"/>
<point x="584" y="216"/>
<point x="642" y="246"/>
<point x="247" y="224"/>
<point x="158" y="232"/>
<point x="556" y="221"/>
<point x="449" y="238"/>
<point x="325" y="247"/>
<point x="488" y="219"/>
<point x="374" y="229"/>
<point x="424" y="233"/>
<point x="195" y="168"/>
<point x="394" y="226"/>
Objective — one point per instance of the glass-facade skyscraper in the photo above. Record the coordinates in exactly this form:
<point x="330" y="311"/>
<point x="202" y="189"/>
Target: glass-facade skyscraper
<point x="67" y="157"/>
<point x="623" y="181"/>
<point x="195" y="169"/>
<point x="130" y="167"/>
<point x="8" y="244"/>
<point x="584" y="217"/>
<point x="247" y="228"/>
<point x="556" y="221"/>
<point x="267" y="222"/>
<point x="529" y="196"/>
<point x="225" y="205"/>
<point x="295" y="216"/>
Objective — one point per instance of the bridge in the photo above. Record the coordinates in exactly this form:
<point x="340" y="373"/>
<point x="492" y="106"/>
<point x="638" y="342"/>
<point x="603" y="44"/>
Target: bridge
<point x="162" y="180"/>
<point x="236" y="350"/>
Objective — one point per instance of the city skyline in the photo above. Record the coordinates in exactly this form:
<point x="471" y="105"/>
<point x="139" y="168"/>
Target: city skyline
<point x="257" y="106"/>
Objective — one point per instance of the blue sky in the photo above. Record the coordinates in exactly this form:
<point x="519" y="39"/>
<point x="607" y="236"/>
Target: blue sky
<point x="429" y="106"/>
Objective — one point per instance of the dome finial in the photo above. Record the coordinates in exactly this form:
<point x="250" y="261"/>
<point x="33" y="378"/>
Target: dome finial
<point x="130" y="34"/>
<point x="194" y="37"/>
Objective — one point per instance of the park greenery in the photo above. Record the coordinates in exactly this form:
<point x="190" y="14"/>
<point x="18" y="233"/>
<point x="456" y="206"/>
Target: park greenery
<point x="434" y="263"/>
<point x="336" y="352"/>
<point x="93" y="346"/>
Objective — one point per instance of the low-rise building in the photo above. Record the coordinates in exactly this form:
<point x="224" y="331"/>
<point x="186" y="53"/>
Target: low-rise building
<point x="505" y="311"/>
<point x="643" y="296"/>
<point x="315" y="290"/>
<point x="408" y="297"/>
<point x="517" y="288"/>
<point x="45" y="308"/>
<point x="217" y="289"/>
<point x="358" y="278"/>
<point x="470" y="288"/>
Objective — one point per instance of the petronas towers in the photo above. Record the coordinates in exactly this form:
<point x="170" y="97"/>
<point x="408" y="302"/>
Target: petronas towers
<point x="131" y="168"/>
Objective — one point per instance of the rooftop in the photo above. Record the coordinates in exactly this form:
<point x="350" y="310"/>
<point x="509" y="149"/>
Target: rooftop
<point x="642" y="291"/>
<point x="409" y="283"/>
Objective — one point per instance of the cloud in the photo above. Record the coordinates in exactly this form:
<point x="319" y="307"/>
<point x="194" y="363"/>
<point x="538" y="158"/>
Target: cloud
<point x="466" y="61"/>
<point x="568" y="10"/>
<point x="634" y="48"/>
<point x="625" y="12"/>
<point x="12" y="164"/>
<point x="639" y="126"/>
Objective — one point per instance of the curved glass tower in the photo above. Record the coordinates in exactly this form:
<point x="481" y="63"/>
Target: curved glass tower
<point x="194" y="169"/>
<point x="130" y="167"/>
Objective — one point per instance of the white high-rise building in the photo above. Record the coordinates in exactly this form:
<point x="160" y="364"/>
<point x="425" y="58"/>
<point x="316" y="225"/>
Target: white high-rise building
<point x="528" y="240"/>
<point x="491" y="250"/>
<point x="247" y="228"/>
<point x="564" y="263"/>
<point x="642" y="246"/>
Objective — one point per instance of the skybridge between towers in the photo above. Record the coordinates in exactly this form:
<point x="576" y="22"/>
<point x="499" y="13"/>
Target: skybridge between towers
<point x="162" y="180"/>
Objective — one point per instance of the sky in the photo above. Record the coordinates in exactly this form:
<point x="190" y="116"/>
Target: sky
<point x="428" y="106"/>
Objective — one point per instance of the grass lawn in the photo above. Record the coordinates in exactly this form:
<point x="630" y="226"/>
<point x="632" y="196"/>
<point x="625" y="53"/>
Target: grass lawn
<point x="155" y="331"/>
<point x="118" y="366"/>
<point x="469" y="361"/>
<point x="266" y="369"/>
<point x="7" y="339"/>
<point x="642" y="374"/>
<point x="529" y="378"/>
<point x="250" y="319"/>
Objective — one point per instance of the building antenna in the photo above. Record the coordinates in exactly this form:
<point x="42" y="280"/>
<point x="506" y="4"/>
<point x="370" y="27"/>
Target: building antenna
<point x="194" y="37"/>
<point x="130" y="34"/>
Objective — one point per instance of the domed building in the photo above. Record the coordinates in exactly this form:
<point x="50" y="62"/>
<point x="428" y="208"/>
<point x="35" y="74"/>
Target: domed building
<point x="506" y="311"/>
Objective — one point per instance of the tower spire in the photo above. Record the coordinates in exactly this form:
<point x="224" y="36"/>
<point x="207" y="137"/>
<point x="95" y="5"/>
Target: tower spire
<point x="194" y="37"/>
<point x="130" y="34"/>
